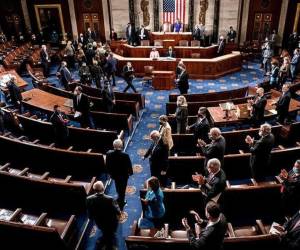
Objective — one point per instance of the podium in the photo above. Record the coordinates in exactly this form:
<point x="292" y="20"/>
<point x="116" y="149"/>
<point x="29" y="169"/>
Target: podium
<point x="163" y="80"/>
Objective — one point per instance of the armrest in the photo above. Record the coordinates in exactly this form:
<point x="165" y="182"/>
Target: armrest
<point x="241" y="152"/>
<point x="228" y="184"/>
<point x="45" y="175"/>
<point x="70" y="148"/>
<point x="52" y="145"/>
<point x="5" y="166"/>
<point x="41" y="220"/>
<point x="230" y="230"/>
<point x="24" y="171"/>
<point x="68" y="178"/>
<point x="261" y="227"/>
<point x="36" y="141"/>
<point x="254" y="182"/>
<point x="71" y="220"/>
<point x="281" y="147"/>
<point x="14" y="216"/>
<point x="278" y="179"/>
<point x="89" y="150"/>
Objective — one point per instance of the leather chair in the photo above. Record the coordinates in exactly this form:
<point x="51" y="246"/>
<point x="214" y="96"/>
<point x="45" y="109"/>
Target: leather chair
<point x="184" y="43"/>
<point x="166" y="27"/>
<point x="148" y="77"/>
<point x="158" y="43"/>
<point x="195" y="43"/>
<point x="145" y="43"/>
<point x="195" y="55"/>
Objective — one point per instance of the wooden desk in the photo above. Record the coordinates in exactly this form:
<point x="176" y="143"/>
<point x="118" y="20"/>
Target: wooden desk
<point x="20" y="82"/>
<point x="163" y="80"/>
<point x="197" y="68"/>
<point x="45" y="101"/>
<point x="171" y="36"/>
<point x="180" y="51"/>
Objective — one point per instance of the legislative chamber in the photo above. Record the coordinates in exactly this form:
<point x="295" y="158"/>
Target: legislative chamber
<point x="164" y="124"/>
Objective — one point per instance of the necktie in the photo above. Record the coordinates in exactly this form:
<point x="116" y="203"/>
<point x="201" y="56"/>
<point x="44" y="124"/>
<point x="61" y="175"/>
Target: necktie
<point x="296" y="225"/>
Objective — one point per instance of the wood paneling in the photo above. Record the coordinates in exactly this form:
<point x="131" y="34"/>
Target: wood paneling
<point x="257" y="6"/>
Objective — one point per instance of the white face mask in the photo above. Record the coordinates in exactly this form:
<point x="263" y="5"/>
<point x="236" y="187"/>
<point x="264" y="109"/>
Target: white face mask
<point x="260" y="133"/>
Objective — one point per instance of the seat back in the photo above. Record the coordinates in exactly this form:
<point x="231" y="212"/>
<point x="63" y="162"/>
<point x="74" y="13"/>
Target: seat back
<point x="195" y="43"/>
<point x="158" y="43"/>
<point x="195" y="55"/>
<point x="145" y="43"/>
<point x="148" y="70"/>
<point x="184" y="43"/>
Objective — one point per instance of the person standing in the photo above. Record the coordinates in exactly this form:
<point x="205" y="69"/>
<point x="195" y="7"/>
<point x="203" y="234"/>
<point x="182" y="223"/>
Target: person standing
<point x="294" y="64"/>
<point x="183" y="79"/>
<point x="258" y="107"/>
<point x="181" y="114"/>
<point x="142" y="34"/>
<point x="111" y="73"/>
<point x="221" y="46"/>
<point x="267" y="55"/>
<point x="85" y="74"/>
<point x="130" y="34"/>
<point x="170" y="53"/>
<point x="119" y="167"/>
<point x="154" y="54"/>
<point x="65" y="75"/>
<point x="128" y="73"/>
<point x="158" y="154"/>
<point x="231" y="35"/>
<point x="60" y="125"/>
<point x="283" y="104"/>
<point x="274" y="76"/>
<point x="14" y="93"/>
<point x="104" y="210"/>
<point x="177" y="26"/>
<point x="96" y="74"/>
<point x="165" y="131"/>
<point x="261" y="152"/>
<point x="45" y="59"/>
<point x="108" y="98"/>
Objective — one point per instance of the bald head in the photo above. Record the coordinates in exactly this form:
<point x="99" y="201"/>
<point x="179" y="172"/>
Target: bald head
<point x="215" y="133"/>
<point x="98" y="187"/>
<point x="260" y="91"/>
<point x="154" y="135"/>
<point x="118" y="144"/>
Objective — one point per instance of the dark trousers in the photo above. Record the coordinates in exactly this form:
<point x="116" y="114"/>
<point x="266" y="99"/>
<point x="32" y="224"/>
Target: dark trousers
<point x="85" y="120"/>
<point x="121" y="184"/>
<point x="98" y="82"/>
<point x="108" y="240"/>
<point x="45" y="68"/>
<point x="183" y="91"/>
<point x="154" y="171"/>
<point x="112" y="76"/>
<point x="129" y="85"/>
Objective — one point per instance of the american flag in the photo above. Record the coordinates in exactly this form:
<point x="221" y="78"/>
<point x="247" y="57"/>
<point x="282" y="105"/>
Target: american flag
<point x="173" y="9"/>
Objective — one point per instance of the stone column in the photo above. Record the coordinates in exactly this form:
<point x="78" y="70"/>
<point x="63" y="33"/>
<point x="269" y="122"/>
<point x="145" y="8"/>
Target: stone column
<point x="281" y="25"/>
<point x="106" y="19"/>
<point x="216" y="21"/>
<point x="73" y="18"/>
<point x="245" y="15"/>
<point x="191" y="15"/>
<point x="156" y="14"/>
<point x="26" y="14"/>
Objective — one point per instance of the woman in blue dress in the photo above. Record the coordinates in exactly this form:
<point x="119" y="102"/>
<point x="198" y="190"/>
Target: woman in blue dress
<point x="154" y="208"/>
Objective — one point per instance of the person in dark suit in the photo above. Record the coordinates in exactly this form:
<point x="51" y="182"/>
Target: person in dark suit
<point x="85" y="74"/>
<point x="65" y="75"/>
<point x="261" y="152"/>
<point x="119" y="167"/>
<point x="130" y="34"/>
<point x="212" y="232"/>
<point x="96" y="74"/>
<point x="221" y="46"/>
<point x="201" y="127"/>
<point x="290" y="233"/>
<point x="258" y="108"/>
<point x="290" y="190"/>
<point x="112" y="68"/>
<point x="113" y="35"/>
<point x="216" y="148"/>
<point x="90" y="54"/>
<point x="231" y="35"/>
<point x="81" y="40"/>
<point x="59" y="123"/>
<point x="45" y="59"/>
<point x="142" y="34"/>
<point x="128" y="74"/>
<point x="158" y="154"/>
<point x="81" y="107"/>
<point x="108" y="98"/>
<point x="197" y="33"/>
<point x="294" y="64"/>
<point x="14" y="93"/>
<point x="183" y="80"/>
<point x="283" y="104"/>
<point x="213" y="183"/>
<point x="170" y="53"/>
<point x="90" y="36"/>
<point x="104" y="210"/>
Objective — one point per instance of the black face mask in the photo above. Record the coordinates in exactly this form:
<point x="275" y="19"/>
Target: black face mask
<point x="161" y="123"/>
<point x="200" y="115"/>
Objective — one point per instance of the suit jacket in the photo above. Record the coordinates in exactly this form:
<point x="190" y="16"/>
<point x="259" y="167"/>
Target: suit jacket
<point x="128" y="72"/>
<point x="83" y="105"/>
<point x="14" y="92"/>
<point x="183" y="81"/>
<point x="170" y="54"/>
<point x="61" y="129"/>
<point x="283" y="104"/>
<point x="197" y="34"/>
<point x="291" y="241"/>
<point x="261" y="151"/>
<point x="292" y="186"/>
<point x="146" y="35"/>
<point x="107" y="97"/>
<point x="118" y="164"/>
<point x="44" y="56"/>
<point x="215" y="149"/>
<point x="258" y="112"/>
<point x="231" y="35"/>
<point x="104" y="210"/>
<point x="211" y="237"/>
<point x="201" y="129"/>
<point x="214" y="185"/>
<point x="66" y="76"/>
<point x="221" y="48"/>
<point x="166" y="135"/>
<point x="113" y="36"/>
<point x="158" y="154"/>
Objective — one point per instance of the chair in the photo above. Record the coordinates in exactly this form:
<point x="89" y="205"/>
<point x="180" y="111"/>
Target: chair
<point x="166" y="27"/>
<point x="195" y="43"/>
<point x="148" y="77"/>
<point x="184" y="43"/>
<point x="158" y="43"/>
<point x="145" y="43"/>
<point x="195" y="55"/>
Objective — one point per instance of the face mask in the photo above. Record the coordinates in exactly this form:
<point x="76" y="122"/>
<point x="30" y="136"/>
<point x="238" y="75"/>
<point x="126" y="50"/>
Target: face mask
<point x="260" y="133"/>
<point x="161" y="123"/>
<point x="210" y="137"/>
<point x="200" y="115"/>
<point x="296" y="170"/>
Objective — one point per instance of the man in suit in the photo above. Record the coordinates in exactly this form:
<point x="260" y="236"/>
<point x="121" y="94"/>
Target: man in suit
<point x="290" y="189"/>
<point x="293" y="42"/>
<point x="90" y="54"/>
<point x="201" y="127"/>
<point x="65" y="75"/>
<point x="221" y="46"/>
<point x="59" y="123"/>
<point x="14" y="93"/>
<point x="85" y="74"/>
<point x="216" y="148"/>
<point x="119" y="167"/>
<point x="112" y="68"/>
<point x="290" y="233"/>
<point x="170" y="53"/>
<point x="130" y="34"/>
<point x="283" y="104"/>
<point x="142" y="34"/>
<point x="81" y="40"/>
<point x="177" y="26"/>
<point x="294" y="64"/>
<point x="90" y="35"/>
<point x="231" y="35"/>
<point x="81" y="107"/>
<point x="128" y="73"/>
<point x="258" y="107"/>
<point x="213" y="183"/>
<point x="158" y="154"/>
<point x="113" y="35"/>
<point x="212" y="231"/>
<point x="183" y="80"/>
<point x="104" y="210"/>
<point x="45" y="59"/>
<point x="196" y="33"/>
<point x="267" y="53"/>
<point x="108" y="98"/>
<point x="261" y="152"/>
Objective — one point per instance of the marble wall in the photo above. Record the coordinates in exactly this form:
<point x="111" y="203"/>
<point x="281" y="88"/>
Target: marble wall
<point x="120" y="16"/>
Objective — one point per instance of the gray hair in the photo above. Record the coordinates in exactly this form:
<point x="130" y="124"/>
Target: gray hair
<point x="266" y="128"/>
<point x="214" y="162"/>
<point x="118" y="144"/>
<point x="98" y="187"/>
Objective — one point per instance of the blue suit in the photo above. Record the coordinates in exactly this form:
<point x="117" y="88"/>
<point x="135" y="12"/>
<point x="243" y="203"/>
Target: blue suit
<point x="294" y="65"/>
<point x="177" y="27"/>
